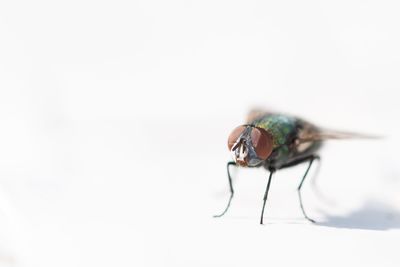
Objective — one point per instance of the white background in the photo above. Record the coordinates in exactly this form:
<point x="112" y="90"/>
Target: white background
<point x="114" y="118"/>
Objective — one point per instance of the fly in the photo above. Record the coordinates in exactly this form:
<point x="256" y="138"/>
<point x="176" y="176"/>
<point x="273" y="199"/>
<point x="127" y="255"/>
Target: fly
<point x="277" y="141"/>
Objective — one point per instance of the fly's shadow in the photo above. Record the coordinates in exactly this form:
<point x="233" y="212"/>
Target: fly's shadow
<point x="372" y="215"/>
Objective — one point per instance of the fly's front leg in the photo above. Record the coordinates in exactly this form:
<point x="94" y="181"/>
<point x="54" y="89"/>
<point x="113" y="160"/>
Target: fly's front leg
<point x="271" y="171"/>
<point x="230" y="187"/>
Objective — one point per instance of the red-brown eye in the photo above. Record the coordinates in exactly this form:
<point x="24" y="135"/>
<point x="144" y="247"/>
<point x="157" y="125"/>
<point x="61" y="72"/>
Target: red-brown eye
<point x="262" y="142"/>
<point x="235" y="135"/>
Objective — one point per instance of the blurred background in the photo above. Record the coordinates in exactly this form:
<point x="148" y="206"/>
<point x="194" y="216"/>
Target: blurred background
<point x="114" y="117"/>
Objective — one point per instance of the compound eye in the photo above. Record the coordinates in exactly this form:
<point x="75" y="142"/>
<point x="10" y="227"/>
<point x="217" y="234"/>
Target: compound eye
<point x="262" y="142"/>
<point x="235" y="134"/>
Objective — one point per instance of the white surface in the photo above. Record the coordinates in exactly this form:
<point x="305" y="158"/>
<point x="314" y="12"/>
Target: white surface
<point x="114" y="118"/>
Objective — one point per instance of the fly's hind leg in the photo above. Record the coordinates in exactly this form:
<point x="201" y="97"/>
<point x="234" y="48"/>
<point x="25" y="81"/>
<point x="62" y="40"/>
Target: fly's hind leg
<point x="301" y="184"/>
<point x="310" y="159"/>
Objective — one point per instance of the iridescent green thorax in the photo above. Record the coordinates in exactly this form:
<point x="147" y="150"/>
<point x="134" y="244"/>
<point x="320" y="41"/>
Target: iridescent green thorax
<point x="281" y="127"/>
<point x="284" y="130"/>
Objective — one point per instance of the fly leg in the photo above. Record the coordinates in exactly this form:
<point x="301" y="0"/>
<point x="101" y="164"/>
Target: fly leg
<point x="271" y="171"/>
<point x="301" y="184"/>
<point x="230" y="187"/>
<point x="310" y="160"/>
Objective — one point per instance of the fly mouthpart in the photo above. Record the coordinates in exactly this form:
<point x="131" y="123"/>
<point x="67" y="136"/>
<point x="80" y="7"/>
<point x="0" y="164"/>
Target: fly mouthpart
<point x="239" y="153"/>
<point x="242" y="152"/>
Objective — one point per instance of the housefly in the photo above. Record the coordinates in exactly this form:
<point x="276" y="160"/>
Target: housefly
<point x="277" y="141"/>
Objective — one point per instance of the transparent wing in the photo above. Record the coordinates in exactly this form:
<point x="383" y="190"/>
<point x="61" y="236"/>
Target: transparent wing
<point x="256" y="113"/>
<point x="316" y="134"/>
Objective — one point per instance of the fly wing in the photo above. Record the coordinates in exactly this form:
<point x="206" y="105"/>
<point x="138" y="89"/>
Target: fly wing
<point x="311" y="133"/>
<point x="255" y="114"/>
